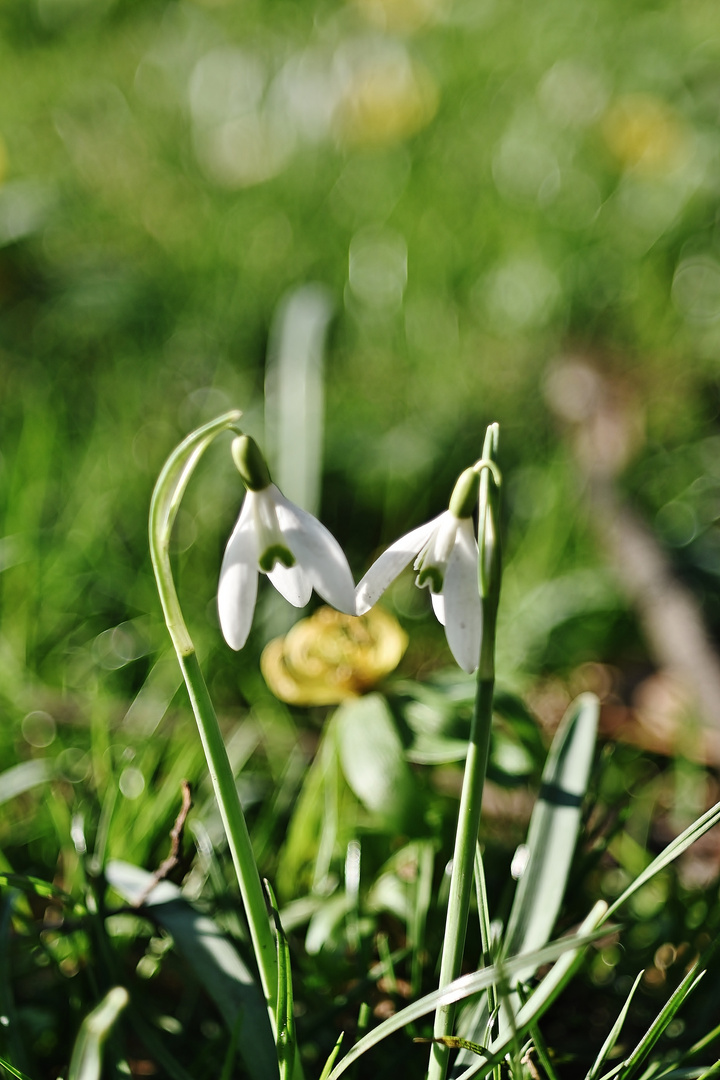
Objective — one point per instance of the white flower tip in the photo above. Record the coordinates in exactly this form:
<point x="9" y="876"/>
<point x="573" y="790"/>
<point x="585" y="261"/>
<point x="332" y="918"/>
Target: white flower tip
<point x="362" y="604"/>
<point x="466" y="665"/>
<point x="233" y="630"/>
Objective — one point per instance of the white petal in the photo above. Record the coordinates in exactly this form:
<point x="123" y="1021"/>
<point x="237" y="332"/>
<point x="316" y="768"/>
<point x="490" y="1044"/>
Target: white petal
<point x="438" y="603"/>
<point x="237" y="590"/>
<point x="292" y="582"/>
<point x="463" y="611"/>
<point x="319" y="556"/>
<point x="391" y="563"/>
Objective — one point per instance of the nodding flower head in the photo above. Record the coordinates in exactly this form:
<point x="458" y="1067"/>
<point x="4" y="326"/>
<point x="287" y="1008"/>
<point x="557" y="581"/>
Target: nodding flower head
<point x="273" y="536"/>
<point x="446" y="560"/>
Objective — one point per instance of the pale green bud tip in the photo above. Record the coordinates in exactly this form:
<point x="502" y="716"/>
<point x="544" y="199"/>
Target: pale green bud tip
<point x="275" y="553"/>
<point x="250" y="463"/>
<point x="465" y="494"/>
<point x="430" y="576"/>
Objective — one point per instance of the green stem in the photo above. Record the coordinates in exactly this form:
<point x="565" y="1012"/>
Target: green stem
<point x="235" y="825"/>
<point x="461" y="878"/>
<point x="163" y="510"/>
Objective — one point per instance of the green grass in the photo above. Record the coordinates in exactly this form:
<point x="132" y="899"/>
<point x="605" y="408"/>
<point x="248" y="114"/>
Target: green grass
<point x="137" y="296"/>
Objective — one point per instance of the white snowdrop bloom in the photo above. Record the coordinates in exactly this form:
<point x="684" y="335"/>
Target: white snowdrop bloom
<point x="273" y="536"/>
<point x="446" y="559"/>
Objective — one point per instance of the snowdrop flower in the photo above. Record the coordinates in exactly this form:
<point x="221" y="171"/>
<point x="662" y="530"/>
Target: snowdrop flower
<point x="446" y="560"/>
<point x="277" y="538"/>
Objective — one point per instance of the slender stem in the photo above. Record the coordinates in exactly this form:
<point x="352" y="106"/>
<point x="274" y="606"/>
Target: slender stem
<point x="475" y="765"/>
<point x="236" y="829"/>
<point x="163" y="511"/>
<point x="462" y="866"/>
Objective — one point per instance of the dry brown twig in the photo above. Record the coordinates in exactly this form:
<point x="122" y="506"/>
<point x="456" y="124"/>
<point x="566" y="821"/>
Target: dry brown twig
<point x="176" y="835"/>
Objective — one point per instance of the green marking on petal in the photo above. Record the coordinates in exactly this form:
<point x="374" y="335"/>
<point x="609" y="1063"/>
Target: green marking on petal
<point x="431" y="576"/>
<point x="274" y="554"/>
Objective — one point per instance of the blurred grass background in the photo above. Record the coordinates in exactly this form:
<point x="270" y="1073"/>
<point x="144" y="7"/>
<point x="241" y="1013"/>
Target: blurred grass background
<point x="485" y="192"/>
<point x="481" y="188"/>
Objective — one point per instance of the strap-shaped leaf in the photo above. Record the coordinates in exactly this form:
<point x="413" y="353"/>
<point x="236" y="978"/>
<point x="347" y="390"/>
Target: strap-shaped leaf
<point x="552" y="836"/>
<point x="213" y="958"/>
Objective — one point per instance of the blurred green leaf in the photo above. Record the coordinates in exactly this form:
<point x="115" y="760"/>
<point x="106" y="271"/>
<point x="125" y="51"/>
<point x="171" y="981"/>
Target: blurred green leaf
<point x="213" y="958"/>
<point x="373" y="761"/>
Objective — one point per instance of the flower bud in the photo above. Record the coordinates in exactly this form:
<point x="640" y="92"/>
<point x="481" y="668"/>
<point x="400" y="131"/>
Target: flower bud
<point x="250" y="463"/>
<point x="465" y="494"/>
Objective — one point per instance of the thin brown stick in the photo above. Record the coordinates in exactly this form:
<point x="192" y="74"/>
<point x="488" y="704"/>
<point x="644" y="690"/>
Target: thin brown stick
<point x="176" y="835"/>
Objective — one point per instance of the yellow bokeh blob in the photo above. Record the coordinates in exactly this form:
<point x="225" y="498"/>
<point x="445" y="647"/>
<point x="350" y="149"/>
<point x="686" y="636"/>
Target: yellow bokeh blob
<point x="330" y="656"/>
<point x="3" y="160"/>
<point x="645" y="133"/>
<point x="387" y="99"/>
<point x="400" y="15"/>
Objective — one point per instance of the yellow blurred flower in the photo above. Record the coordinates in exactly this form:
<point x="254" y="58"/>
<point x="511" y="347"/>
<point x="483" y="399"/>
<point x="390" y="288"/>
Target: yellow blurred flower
<point x="388" y="98"/>
<point x="330" y="656"/>
<point x="3" y="159"/>
<point x="402" y="15"/>
<point x="643" y="132"/>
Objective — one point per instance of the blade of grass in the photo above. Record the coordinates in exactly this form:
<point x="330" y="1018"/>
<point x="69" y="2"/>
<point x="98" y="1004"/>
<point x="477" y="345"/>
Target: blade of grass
<point x="21" y="778"/>
<point x="86" y="1060"/>
<point x="676" y="847"/>
<point x="332" y="1058"/>
<point x="551" y="841"/>
<point x="12" y="1070"/>
<point x="630" y="1064"/>
<point x="543" y="996"/>
<point x="461" y="988"/>
<point x="285" y="1017"/>
<point x="614" y="1033"/>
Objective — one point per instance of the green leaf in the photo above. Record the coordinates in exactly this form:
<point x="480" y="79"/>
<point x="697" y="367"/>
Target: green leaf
<point x="553" y="830"/>
<point x="86" y="1060"/>
<point x="214" y="960"/>
<point x="21" y="778"/>
<point x="373" y="760"/>
<point x="551" y="841"/>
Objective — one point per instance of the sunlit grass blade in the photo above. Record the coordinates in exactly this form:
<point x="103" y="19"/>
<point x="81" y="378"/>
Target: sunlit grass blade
<point x="13" y="1043"/>
<point x="213" y="958"/>
<point x="553" y="830"/>
<point x="551" y="841"/>
<point x="86" y="1060"/>
<point x="630" y="1064"/>
<point x="22" y="777"/>
<point x="675" y="848"/>
<point x="294" y="393"/>
<point x="285" y="1017"/>
<point x="332" y="1058"/>
<point x="12" y="1070"/>
<point x="28" y="884"/>
<point x="544" y="994"/>
<point x="463" y="987"/>
<point x="614" y="1033"/>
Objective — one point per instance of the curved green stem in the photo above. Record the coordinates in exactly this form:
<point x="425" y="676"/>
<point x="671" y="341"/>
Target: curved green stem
<point x="164" y="506"/>
<point x="489" y="575"/>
